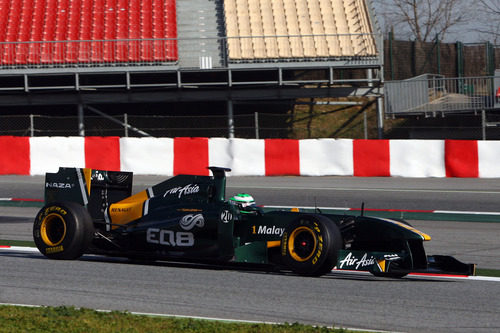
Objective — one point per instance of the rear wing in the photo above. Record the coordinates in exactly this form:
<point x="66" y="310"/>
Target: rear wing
<point x="94" y="189"/>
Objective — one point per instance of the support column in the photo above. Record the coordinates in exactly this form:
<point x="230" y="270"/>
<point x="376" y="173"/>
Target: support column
<point x="380" y="107"/>
<point x="484" y="124"/>
<point x="81" y="124"/>
<point x="32" y="125"/>
<point x="230" y="118"/>
<point x="380" y="118"/>
<point x="256" y="118"/>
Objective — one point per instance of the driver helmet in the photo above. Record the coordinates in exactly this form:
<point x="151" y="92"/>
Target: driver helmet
<point x="244" y="202"/>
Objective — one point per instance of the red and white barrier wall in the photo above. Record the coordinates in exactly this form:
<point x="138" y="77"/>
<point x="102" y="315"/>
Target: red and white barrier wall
<point x="249" y="157"/>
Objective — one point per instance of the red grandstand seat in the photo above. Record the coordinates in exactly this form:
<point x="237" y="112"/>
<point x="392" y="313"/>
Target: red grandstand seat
<point x="110" y="19"/>
<point x="50" y="21"/>
<point x="35" y="50"/>
<point x="9" y="54"/>
<point x="158" y="16"/>
<point x="134" y="18"/>
<point x="60" y="31"/>
<point x="12" y="28"/>
<point x="171" y="50"/>
<point x="71" y="47"/>
<point x="146" y="50"/>
<point x="23" y="32"/>
<point x="59" y="51"/>
<point x="122" y="28"/>
<point x="49" y="32"/>
<point x="85" y="31"/>
<point x="15" y="12"/>
<point x="97" y="35"/>
<point x="4" y="16"/>
<point x="170" y="7"/>
<point x="11" y="31"/>
<point x="146" y="30"/>
<point x="61" y="27"/>
<point x="22" y="52"/>
<point x="4" y="10"/>
<point x="96" y="51"/>
<point x="38" y="19"/>
<point x="26" y="20"/>
<point x="71" y="51"/>
<point x="146" y="19"/>
<point x="158" y="31"/>
<point x="47" y="49"/>
<point x="109" y="31"/>
<point x="171" y="31"/>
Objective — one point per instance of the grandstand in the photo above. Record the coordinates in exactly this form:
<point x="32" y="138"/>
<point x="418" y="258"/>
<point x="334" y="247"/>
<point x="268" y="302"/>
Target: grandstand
<point x="84" y="31"/>
<point x="89" y="52"/>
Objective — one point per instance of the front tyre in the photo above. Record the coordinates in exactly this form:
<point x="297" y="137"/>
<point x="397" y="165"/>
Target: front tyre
<point x="310" y="245"/>
<point x="63" y="230"/>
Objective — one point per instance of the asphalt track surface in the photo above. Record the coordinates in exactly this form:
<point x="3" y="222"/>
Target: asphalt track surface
<point x="347" y="300"/>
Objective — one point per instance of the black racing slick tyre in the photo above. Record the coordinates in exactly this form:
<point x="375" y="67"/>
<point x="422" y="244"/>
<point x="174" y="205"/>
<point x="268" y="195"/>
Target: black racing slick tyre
<point x="310" y="245"/>
<point x="63" y="230"/>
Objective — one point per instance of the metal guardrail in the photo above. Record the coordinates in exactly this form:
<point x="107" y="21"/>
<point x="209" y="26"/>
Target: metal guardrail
<point x="190" y="52"/>
<point x="87" y="53"/>
<point x="169" y="63"/>
<point x="433" y="95"/>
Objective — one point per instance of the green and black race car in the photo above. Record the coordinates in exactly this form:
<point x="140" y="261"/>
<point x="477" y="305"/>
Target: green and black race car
<point x="187" y="218"/>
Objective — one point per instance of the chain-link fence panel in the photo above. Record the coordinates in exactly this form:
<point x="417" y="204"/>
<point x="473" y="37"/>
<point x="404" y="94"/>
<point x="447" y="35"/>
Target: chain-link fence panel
<point x="483" y="125"/>
<point x="256" y="125"/>
<point x="19" y="125"/>
<point x="261" y="125"/>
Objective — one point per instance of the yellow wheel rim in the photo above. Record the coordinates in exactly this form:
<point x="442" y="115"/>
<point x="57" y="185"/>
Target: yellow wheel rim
<point x="302" y="244"/>
<point x="53" y="229"/>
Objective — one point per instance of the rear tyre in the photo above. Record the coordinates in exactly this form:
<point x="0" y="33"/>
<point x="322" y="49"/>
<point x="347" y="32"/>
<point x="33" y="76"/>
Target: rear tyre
<point x="310" y="245"/>
<point x="63" y="230"/>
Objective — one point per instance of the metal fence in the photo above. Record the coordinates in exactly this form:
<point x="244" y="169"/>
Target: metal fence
<point x="433" y="95"/>
<point x="405" y="59"/>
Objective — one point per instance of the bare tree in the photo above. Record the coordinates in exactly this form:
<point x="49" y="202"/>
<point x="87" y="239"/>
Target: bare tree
<point x="489" y="27"/>
<point x="422" y="20"/>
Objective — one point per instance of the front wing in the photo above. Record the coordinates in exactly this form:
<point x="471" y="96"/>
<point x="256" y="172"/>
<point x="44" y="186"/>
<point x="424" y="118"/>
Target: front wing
<point x="389" y="263"/>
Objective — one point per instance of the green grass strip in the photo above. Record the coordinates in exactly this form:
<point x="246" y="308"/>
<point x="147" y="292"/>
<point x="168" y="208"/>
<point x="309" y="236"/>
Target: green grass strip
<point x="21" y="203"/>
<point x="8" y="242"/>
<point x="488" y="272"/>
<point x="73" y="320"/>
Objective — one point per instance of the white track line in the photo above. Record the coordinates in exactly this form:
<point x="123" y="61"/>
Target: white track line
<point x="23" y="249"/>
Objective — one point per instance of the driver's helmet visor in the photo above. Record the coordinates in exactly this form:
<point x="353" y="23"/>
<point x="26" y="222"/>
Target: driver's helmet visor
<point x="242" y="200"/>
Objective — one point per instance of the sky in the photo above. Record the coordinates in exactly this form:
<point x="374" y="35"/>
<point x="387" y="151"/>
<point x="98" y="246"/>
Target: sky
<point x="465" y="33"/>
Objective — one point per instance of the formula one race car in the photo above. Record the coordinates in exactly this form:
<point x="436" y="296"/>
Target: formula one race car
<point x="187" y="218"/>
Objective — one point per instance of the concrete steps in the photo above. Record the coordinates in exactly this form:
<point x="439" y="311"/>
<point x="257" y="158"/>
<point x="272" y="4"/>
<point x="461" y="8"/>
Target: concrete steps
<point x="200" y="24"/>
